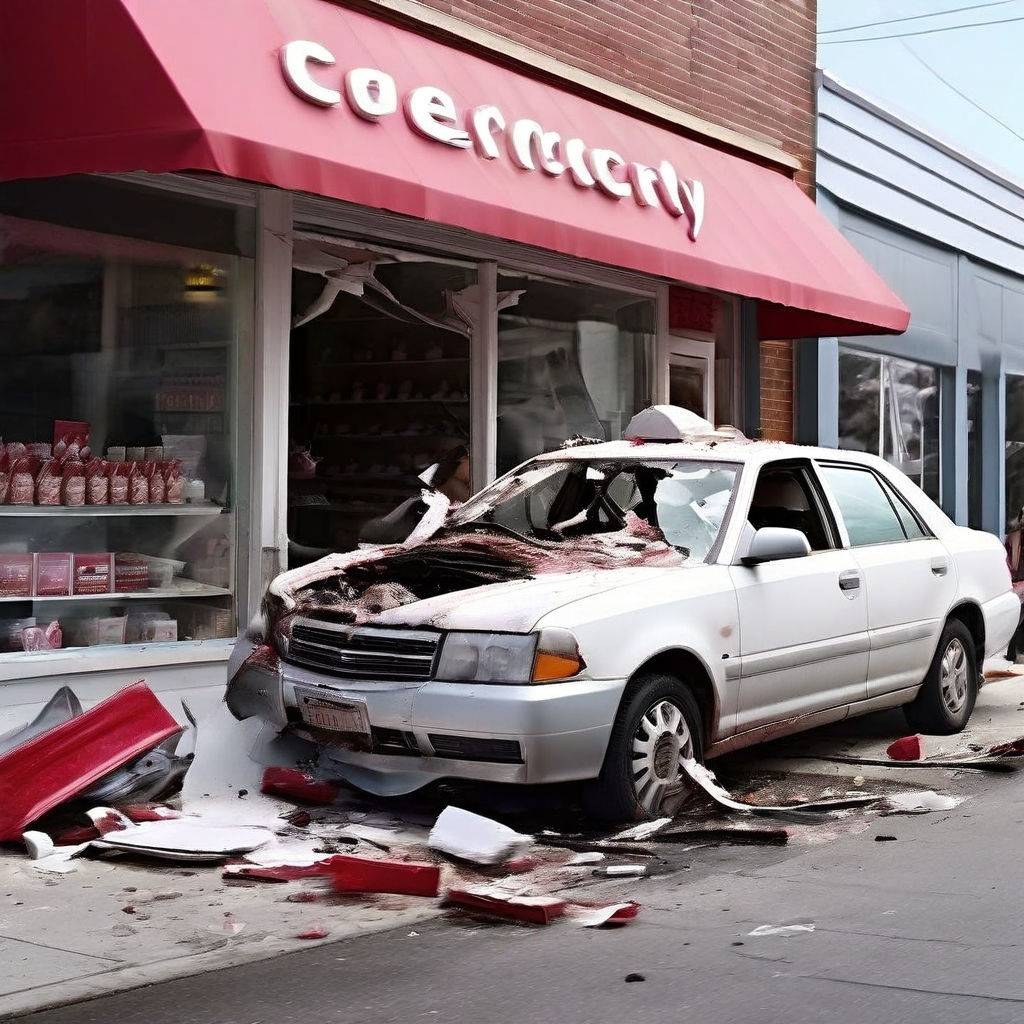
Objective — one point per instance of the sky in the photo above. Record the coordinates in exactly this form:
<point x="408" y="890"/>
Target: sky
<point x="957" y="84"/>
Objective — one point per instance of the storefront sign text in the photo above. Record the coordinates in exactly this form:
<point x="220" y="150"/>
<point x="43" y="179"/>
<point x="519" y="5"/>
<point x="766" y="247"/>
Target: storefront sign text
<point x="431" y="112"/>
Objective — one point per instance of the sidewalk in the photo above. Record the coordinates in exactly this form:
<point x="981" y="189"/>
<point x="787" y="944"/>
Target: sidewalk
<point x="116" y="924"/>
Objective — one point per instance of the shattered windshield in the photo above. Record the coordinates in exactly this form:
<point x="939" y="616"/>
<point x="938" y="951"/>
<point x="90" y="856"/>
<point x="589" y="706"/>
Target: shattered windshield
<point x="682" y="503"/>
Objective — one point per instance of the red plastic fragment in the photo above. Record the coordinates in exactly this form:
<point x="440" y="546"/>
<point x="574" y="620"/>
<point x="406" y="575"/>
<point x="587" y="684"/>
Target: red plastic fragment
<point x="279" y="872"/>
<point x="360" y="874"/>
<point x="76" y="835"/>
<point x="906" y="749"/>
<point x="109" y="822"/>
<point x="534" y="913"/>
<point x="313" y="933"/>
<point x="50" y="768"/>
<point x="293" y="784"/>
<point x="148" y="812"/>
<point x="520" y="865"/>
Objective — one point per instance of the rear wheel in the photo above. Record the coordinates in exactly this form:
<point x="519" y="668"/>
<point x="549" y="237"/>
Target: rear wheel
<point x="657" y="727"/>
<point x="946" y="698"/>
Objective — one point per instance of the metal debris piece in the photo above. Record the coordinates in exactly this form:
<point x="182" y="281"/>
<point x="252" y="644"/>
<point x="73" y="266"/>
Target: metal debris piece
<point x="803" y="812"/>
<point x="60" y="708"/>
<point x="472" y="837"/>
<point x="643" y="831"/>
<point x="151" y="776"/>
<point x="184" y="839"/>
<point x="67" y="759"/>
<point x="996" y="759"/>
<point x="620" y="871"/>
<point x="584" y="857"/>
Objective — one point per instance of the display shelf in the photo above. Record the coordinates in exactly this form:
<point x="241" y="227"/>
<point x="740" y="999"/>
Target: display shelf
<point x="383" y="401"/>
<point x="186" y="588"/>
<point x="88" y="511"/>
<point x="443" y="361"/>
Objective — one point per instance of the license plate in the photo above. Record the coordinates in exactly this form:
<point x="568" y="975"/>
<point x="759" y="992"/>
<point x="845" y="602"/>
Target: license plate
<point x="334" y="714"/>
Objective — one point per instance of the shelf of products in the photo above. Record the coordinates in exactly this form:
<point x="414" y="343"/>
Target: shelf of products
<point x="183" y="588"/>
<point x="89" y="511"/>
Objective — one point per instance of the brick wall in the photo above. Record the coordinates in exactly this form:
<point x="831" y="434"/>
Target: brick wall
<point x="744" y="64"/>
<point x="777" y="390"/>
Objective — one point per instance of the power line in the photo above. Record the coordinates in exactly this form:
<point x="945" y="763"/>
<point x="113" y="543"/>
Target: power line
<point x="920" y="32"/>
<point x="914" y="17"/>
<point x="946" y="82"/>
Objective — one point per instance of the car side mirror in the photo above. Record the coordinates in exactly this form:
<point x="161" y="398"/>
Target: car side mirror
<point x="773" y="543"/>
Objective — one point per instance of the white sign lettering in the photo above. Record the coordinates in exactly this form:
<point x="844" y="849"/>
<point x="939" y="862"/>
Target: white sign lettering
<point x="431" y="112"/>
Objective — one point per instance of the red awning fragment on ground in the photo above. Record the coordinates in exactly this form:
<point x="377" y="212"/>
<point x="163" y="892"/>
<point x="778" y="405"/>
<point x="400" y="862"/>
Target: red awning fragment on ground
<point x="531" y="909"/>
<point x="293" y="784"/>
<point x="57" y="764"/>
<point x="361" y="874"/>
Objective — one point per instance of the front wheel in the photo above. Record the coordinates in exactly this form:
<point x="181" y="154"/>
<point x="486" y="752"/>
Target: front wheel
<point x="946" y="698"/>
<point x="657" y="727"/>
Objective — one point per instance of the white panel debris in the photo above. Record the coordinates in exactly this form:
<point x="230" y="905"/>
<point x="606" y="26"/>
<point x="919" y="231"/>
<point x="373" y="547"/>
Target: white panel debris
<point x="470" y="836"/>
<point x="781" y="930"/>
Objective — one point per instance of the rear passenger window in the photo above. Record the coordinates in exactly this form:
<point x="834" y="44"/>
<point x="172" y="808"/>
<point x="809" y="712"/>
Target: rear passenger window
<point x="869" y="515"/>
<point x="911" y="527"/>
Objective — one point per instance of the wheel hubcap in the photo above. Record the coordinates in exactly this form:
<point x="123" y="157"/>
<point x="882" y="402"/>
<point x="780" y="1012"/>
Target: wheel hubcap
<point x="954" y="676"/>
<point x="662" y="741"/>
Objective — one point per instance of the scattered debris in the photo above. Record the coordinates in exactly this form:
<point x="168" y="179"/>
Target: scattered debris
<point x="743" y="835"/>
<point x="611" y="915"/>
<point x="293" y="784"/>
<point x="532" y="909"/>
<point x="630" y="978"/>
<point x="885" y="839"/>
<point x="587" y="857"/>
<point x="184" y="839"/>
<point x="316" y="932"/>
<point x="473" y="837"/>
<point x="919" y="802"/>
<point x="621" y="871"/>
<point x="644" y="830"/>
<point x="361" y="874"/>
<point x="908" y="748"/>
<point x="781" y="930"/>
<point x="56" y="764"/>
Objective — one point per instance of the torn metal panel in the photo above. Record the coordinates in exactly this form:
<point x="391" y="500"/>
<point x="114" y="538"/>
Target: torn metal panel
<point x="60" y="708"/>
<point x="151" y="776"/>
<point x="66" y="760"/>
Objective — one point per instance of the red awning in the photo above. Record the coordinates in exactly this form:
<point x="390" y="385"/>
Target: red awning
<point x="128" y="85"/>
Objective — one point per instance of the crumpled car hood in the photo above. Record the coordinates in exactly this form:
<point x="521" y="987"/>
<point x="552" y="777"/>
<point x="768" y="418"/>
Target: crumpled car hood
<point x="515" y="606"/>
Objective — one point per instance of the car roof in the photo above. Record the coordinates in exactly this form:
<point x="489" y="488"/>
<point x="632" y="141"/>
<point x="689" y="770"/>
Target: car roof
<point x="726" y="450"/>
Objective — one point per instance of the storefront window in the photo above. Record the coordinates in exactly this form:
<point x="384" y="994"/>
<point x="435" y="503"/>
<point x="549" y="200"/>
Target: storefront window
<point x="1014" y="454"/>
<point x="890" y="407"/>
<point x="118" y="486"/>
<point x="974" y="450"/>
<point x="379" y="390"/>
<point x="572" y="359"/>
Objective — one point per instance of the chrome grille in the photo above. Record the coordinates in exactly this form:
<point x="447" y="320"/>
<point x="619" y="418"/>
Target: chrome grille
<point x="363" y="652"/>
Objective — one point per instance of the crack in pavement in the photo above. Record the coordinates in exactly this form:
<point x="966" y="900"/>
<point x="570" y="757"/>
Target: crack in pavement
<point x="920" y="938"/>
<point x="62" y="949"/>
<point x="905" y="988"/>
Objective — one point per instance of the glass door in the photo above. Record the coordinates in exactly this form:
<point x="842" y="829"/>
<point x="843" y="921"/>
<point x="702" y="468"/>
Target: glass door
<point x="691" y="376"/>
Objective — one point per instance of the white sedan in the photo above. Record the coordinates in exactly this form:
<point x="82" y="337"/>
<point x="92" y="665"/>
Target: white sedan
<point x="606" y="611"/>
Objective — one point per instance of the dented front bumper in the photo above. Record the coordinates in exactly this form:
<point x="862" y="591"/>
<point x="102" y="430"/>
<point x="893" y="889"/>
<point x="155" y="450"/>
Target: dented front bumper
<point x="423" y="731"/>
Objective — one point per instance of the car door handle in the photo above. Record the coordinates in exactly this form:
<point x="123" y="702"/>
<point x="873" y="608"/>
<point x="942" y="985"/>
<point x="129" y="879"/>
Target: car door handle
<point x="849" y="580"/>
<point x="940" y="567"/>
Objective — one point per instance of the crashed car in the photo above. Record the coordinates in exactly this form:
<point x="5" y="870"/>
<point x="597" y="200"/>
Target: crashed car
<point x="608" y="611"/>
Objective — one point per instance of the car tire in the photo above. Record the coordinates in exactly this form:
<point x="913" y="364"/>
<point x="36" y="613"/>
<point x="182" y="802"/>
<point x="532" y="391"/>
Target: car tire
<point x="658" y="722"/>
<point x="946" y="699"/>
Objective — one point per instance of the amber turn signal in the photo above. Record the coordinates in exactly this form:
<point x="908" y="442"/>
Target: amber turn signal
<point x="557" y="657"/>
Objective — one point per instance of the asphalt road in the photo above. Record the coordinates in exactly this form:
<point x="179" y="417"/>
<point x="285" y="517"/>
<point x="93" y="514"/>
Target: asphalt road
<point x="924" y="928"/>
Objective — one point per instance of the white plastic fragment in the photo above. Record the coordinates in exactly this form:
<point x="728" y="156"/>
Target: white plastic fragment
<point x="180" y="838"/>
<point x="592" y="857"/>
<point x="594" y="917"/>
<point x="643" y="830"/>
<point x="623" y="870"/>
<point x="781" y="930"/>
<point x="38" y="844"/>
<point x="920" y="802"/>
<point x="470" y="836"/>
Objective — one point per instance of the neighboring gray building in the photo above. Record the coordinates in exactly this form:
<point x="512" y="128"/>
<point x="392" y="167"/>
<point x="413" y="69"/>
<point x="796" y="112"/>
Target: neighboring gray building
<point x="945" y="401"/>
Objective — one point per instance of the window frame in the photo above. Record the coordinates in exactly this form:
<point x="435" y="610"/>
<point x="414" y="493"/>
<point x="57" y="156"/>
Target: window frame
<point x="891" y="494"/>
<point x="819" y="498"/>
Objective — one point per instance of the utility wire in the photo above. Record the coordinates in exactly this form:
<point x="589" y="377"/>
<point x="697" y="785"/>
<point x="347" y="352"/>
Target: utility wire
<point x="914" y="17"/>
<point x="920" y="32"/>
<point x="949" y="85"/>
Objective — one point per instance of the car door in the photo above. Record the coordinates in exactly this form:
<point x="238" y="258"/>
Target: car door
<point x="803" y="621"/>
<point x="909" y="577"/>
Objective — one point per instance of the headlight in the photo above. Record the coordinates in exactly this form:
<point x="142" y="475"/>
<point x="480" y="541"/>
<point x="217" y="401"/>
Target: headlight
<point x="541" y="657"/>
